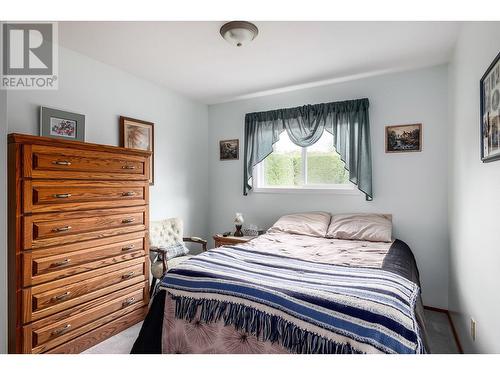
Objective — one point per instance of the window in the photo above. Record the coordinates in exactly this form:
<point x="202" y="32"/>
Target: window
<point x="290" y="167"/>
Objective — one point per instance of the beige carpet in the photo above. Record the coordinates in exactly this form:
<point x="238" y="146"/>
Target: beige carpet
<point x="118" y="344"/>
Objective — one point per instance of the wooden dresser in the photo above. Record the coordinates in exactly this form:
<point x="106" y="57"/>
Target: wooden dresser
<point x="78" y="252"/>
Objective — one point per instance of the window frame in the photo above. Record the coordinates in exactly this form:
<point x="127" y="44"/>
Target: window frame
<point x="258" y="178"/>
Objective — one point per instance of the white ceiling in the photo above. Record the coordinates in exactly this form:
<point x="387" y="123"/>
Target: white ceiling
<point x="192" y="58"/>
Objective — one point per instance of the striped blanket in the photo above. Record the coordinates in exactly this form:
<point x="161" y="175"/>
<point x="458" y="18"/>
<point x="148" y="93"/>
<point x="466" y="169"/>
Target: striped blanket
<point x="307" y="307"/>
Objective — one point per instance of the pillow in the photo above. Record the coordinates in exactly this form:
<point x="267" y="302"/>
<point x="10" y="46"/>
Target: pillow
<point x="364" y="227"/>
<point x="173" y="250"/>
<point x="307" y="223"/>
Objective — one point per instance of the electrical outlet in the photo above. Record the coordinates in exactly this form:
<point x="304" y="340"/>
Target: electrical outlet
<point x="473" y="329"/>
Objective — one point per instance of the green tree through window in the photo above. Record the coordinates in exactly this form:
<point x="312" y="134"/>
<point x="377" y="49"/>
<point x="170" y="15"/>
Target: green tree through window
<point x="286" y="166"/>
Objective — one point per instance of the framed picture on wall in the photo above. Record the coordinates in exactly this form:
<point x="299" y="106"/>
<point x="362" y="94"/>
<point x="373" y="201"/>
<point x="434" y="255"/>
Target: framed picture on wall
<point x="403" y="138"/>
<point x="490" y="112"/>
<point x="56" y="123"/>
<point x="229" y="149"/>
<point x="138" y="134"/>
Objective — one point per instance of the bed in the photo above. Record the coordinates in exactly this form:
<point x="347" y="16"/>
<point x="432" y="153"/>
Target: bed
<point x="290" y="293"/>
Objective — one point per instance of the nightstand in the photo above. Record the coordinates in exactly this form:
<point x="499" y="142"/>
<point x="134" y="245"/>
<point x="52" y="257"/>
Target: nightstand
<point x="220" y="240"/>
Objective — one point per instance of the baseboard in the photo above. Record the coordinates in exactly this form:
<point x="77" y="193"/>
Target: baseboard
<point x="453" y="329"/>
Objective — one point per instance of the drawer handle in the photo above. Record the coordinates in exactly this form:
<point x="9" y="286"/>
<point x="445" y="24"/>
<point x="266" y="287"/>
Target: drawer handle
<point x="67" y="195"/>
<point x="61" y="162"/>
<point x="61" y="263"/>
<point x="128" y="167"/>
<point x="128" y="275"/>
<point x="129" y="301"/>
<point x="61" y="330"/>
<point x="128" y="193"/>
<point x="127" y="248"/>
<point x="61" y="296"/>
<point x="128" y="220"/>
<point x="62" y="229"/>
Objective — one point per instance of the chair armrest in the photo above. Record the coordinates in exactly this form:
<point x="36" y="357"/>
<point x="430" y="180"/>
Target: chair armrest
<point x="158" y="250"/>
<point x="196" y="240"/>
<point x="163" y="252"/>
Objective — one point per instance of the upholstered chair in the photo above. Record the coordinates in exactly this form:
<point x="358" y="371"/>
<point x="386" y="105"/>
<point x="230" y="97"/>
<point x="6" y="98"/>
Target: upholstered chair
<point x="167" y="247"/>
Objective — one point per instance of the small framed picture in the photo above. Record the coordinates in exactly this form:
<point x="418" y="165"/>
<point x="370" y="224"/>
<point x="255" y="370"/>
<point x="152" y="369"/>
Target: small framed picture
<point x="138" y="134"/>
<point x="403" y="138"/>
<point x="230" y="149"/>
<point x="490" y="112"/>
<point x="62" y="124"/>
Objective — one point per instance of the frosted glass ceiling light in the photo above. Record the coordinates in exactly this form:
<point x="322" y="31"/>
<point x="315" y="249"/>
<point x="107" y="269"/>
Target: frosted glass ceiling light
<point x="239" y="33"/>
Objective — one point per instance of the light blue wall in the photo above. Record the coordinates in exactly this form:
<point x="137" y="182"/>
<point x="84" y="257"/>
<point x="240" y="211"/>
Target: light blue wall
<point x="411" y="186"/>
<point x="474" y="196"/>
<point x="103" y="93"/>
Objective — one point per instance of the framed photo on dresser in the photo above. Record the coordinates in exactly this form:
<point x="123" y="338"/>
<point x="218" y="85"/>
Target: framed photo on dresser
<point x="490" y="112"/>
<point x="56" y="123"/>
<point x="138" y="134"/>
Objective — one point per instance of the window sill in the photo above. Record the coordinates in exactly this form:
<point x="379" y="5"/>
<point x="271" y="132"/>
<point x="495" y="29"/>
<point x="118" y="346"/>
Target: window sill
<point x="308" y="190"/>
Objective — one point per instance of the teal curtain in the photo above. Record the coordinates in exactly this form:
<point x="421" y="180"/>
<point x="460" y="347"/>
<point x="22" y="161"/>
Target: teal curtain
<point x="347" y="121"/>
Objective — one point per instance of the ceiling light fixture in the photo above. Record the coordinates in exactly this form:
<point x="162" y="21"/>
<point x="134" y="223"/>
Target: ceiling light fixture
<point x="239" y="33"/>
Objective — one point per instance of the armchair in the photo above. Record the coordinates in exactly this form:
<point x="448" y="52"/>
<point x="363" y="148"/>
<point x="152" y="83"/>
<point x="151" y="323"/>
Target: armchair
<point x="167" y="247"/>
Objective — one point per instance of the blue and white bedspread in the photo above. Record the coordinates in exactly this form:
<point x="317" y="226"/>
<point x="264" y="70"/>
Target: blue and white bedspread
<point x="307" y="307"/>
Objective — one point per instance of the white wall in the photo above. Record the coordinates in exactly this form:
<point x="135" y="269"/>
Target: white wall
<point x="104" y="93"/>
<point x="475" y="197"/>
<point x="3" y="221"/>
<point x="411" y="186"/>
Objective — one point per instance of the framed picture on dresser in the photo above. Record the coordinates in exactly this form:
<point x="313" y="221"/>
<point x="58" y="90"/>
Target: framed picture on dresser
<point x="56" y="123"/>
<point x="138" y="134"/>
<point x="490" y="112"/>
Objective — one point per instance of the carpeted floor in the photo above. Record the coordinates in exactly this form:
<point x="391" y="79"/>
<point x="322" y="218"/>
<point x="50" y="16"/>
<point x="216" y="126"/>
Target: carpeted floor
<point x="118" y="344"/>
<point x="441" y="340"/>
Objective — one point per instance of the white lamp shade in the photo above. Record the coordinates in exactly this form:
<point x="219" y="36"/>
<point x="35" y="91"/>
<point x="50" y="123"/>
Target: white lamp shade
<point x="239" y="219"/>
<point x="238" y="37"/>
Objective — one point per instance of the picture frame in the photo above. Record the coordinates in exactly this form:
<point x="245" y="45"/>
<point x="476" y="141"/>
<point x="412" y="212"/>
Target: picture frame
<point x="229" y="149"/>
<point x="489" y="93"/>
<point x="138" y="134"/>
<point x="56" y="123"/>
<point x="403" y="138"/>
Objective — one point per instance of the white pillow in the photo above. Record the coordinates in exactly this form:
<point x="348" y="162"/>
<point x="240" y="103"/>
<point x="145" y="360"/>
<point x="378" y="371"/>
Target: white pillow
<point x="363" y="227"/>
<point x="307" y="223"/>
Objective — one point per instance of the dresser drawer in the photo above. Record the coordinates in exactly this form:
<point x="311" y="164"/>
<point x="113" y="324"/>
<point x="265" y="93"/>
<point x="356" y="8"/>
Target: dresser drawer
<point x="43" y="300"/>
<point x="55" y="263"/>
<point x="46" y="299"/>
<point x="54" y="330"/>
<point x="62" y="228"/>
<point x="64" y="163"/>
<point x="50" y="196"/>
